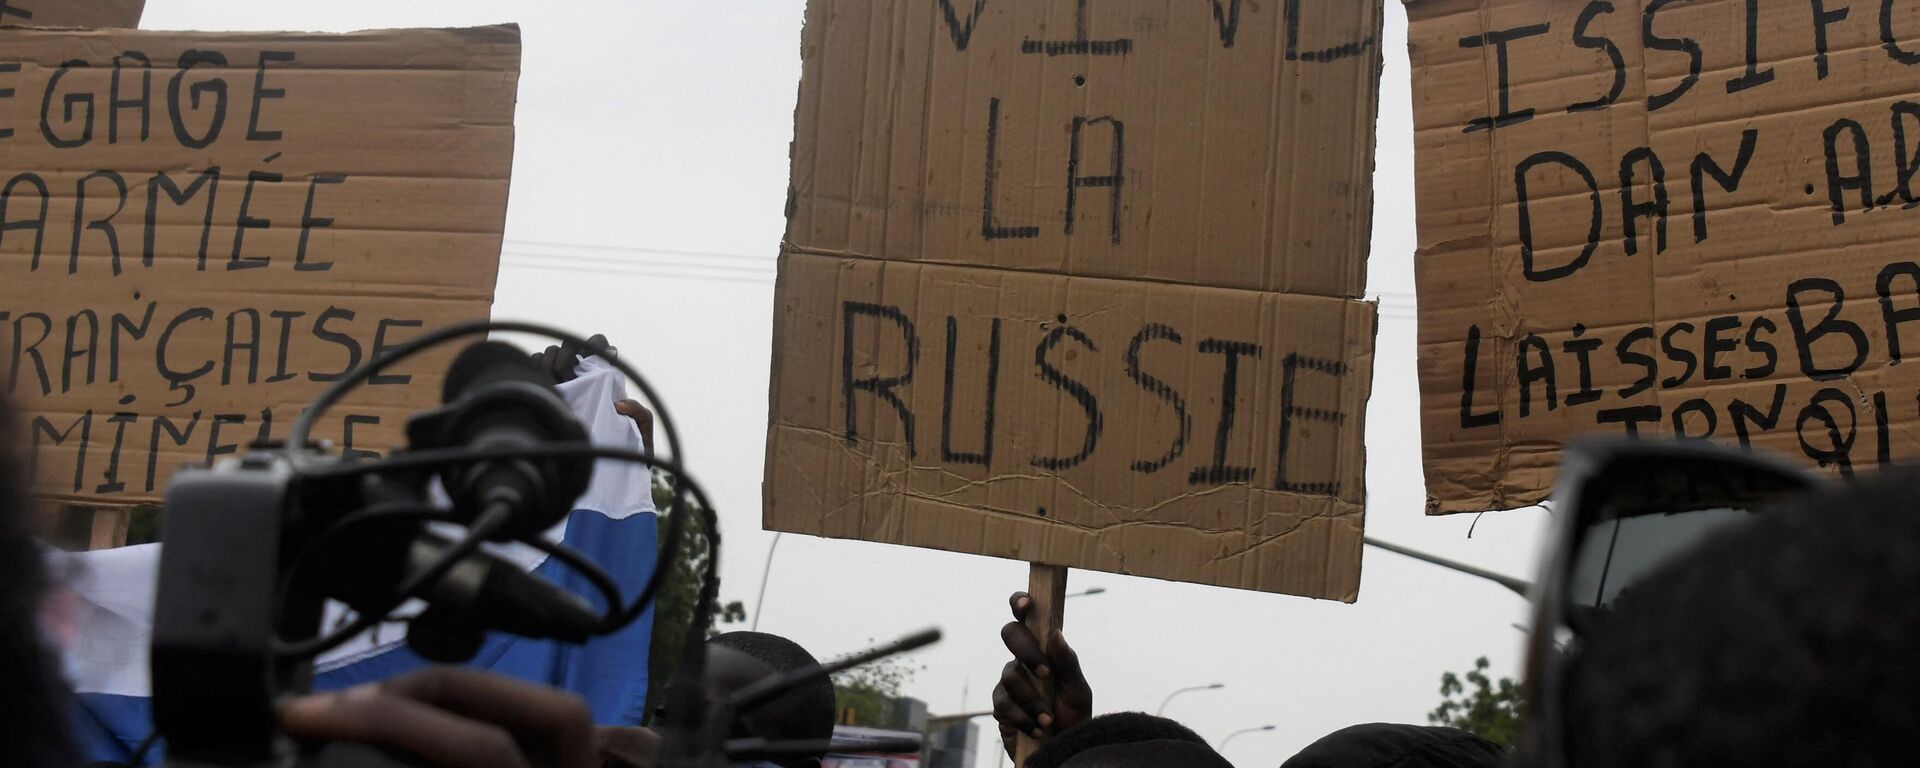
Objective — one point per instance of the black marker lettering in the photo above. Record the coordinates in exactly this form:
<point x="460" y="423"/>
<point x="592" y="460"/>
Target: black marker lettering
<point x="246" y="222"/>
<point x="1838" y="452"/>
<point x="343" y="340"/>
<point x="176" y="379"/>
<point x="1862" y="180"/>
<point x="68" y="103"/>
<point x="1823" y="18"/>
<point x="1704" y="167"/>
<point x="1753" y="76"/>
<point x="136" y="332"/>
<point x="1632" y="417"/>
<point x="1685" y="45"/>
<point x="347" y="451"/>
<point x="1289" y="411"/>
<point x="1894" y="317"/>
<point x="1079" y="391"/>
<point x="947" y="454"/>
<point x="1695" y="406"/>
<point x="380" y="347"/>
<point x="1624" y="351"/>
<point x="111" y="482"/>
<point x="1742" y="413"/>
<point x="1764" y="349"/>
<point x="1606" y="45"/>
<point x="1161" y="390"/>
<point x="30" y="350"/>
<point x="1079" y="45"/>
<point x="1112" y="181"/>
<point x="144" y="102"/>
<point x="1582" y="350"/>
<point x="1528" y="268"/>
<point x="1499" y="40"/>
<point x="1469" y="419"/>
<point x="988" y="229"/>
<point x="215" y="448"/>
<point x="251" y="345"/>
<point x="1716" y="344"/>
<point x="74" y="353"/>
<point x="286" y="318"/>
<point x="1218" y="472"/>
<point x="309" y="223"/>
<point x="882" y="387"/>
<point x="1678" y="354"/>
<point x="178" y="438"/>
<point x="1631" y="212"/>
<point x="38" y="223"/>
<point x="261" y="93"/>
<point x="209" y="178"/>
<point x="1334" y="53"/>
<point x="1526" y="374"/>
<point x="103" y="225"/>
<point x="59" y="438"/>
<point x="1804" y="337"/>
<point x="216" y="86"/>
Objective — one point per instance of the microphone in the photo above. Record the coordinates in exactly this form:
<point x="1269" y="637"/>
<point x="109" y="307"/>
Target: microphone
<point x="486" y="591"/>
<point x="496" y="398"/>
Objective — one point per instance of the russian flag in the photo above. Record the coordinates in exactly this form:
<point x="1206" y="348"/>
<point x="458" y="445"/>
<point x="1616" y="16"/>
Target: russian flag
<point x="102" y="618"/>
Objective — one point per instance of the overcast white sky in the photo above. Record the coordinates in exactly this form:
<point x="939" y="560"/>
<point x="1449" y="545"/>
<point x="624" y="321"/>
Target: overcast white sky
<point x="649" y="176"/>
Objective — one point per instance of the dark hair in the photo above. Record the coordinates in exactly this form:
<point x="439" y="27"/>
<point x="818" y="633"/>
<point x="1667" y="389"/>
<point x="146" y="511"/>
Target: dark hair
<point x="1399" y="746"/>
<point x="1785" y="640"/>
<point x="34" y="730"/>
<point x="1156" y="753"/>
<point x="814" y="704"/>
<point x="1105" y="730"/>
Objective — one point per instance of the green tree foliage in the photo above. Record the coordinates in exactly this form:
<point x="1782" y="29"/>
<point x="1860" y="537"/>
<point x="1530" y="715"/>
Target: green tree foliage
<point x="1477" y="703"/>
<point x="673" y="604"/>
<point x="869" y="690"/>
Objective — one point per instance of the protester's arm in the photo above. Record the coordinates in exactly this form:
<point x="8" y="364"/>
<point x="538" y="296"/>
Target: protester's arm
<point x="642" y="420"/>
<point x="1017" y="705"/>
<point x="452" y="717"/>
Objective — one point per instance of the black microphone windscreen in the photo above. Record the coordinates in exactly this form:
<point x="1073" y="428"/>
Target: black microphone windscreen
<point x="485" y="362"/>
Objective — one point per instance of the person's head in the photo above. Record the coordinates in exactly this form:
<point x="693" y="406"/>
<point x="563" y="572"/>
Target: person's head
<point x="1392" y="745"/>
<point x="1119" y="728"/>
<point x="34" y="729"/>
<point x="1785" y="640"/>
<point x="1156" y="753"/>
<point x="736" y="660"/>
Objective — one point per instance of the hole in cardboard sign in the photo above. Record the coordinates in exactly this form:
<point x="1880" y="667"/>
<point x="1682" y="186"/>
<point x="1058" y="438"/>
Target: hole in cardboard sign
<point x="1043" y="511"/>
<point x="1080" y="80"/>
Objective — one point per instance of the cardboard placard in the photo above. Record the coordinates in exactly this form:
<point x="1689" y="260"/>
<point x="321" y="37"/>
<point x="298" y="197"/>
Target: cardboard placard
<point x="1076" y="283"/>
<point x="72" y="13"/>
<point x="200" y="231"/>
<point x="1659" y="218"/>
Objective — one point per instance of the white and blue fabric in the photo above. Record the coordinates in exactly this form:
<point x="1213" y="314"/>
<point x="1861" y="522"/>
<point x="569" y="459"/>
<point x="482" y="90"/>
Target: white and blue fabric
<point x="103" y="618"/>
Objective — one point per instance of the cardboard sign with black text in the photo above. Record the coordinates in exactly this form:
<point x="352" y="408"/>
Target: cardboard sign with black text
<point x="1077" y="283"/>
<point x="1689" y="219"/>
<point x="72" y="13"/>
<point x="200" y="231"/>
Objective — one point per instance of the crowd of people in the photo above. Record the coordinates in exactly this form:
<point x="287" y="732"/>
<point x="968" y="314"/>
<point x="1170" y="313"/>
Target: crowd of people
<point x="1784" y="640"/>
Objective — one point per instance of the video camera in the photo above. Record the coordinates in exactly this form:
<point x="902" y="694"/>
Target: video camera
<point x="255" y="547"/>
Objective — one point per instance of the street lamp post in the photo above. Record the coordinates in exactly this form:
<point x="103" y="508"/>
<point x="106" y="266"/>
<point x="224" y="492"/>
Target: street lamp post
<point x="1169" y="699"/>
<point x="1222" y="749"/>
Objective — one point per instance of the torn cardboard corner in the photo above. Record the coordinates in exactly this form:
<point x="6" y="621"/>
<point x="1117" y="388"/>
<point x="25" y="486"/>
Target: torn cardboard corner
<point x="272" y="212"/>
<point x="1686" y="220"/>
<point x="1028" y="416"/>
<point x="1075" y="283"/>
<point x="72" y="13"/>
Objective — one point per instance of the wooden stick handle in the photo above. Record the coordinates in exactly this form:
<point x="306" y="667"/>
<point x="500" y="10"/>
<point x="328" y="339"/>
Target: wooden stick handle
<point x="1047" y="586"/>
